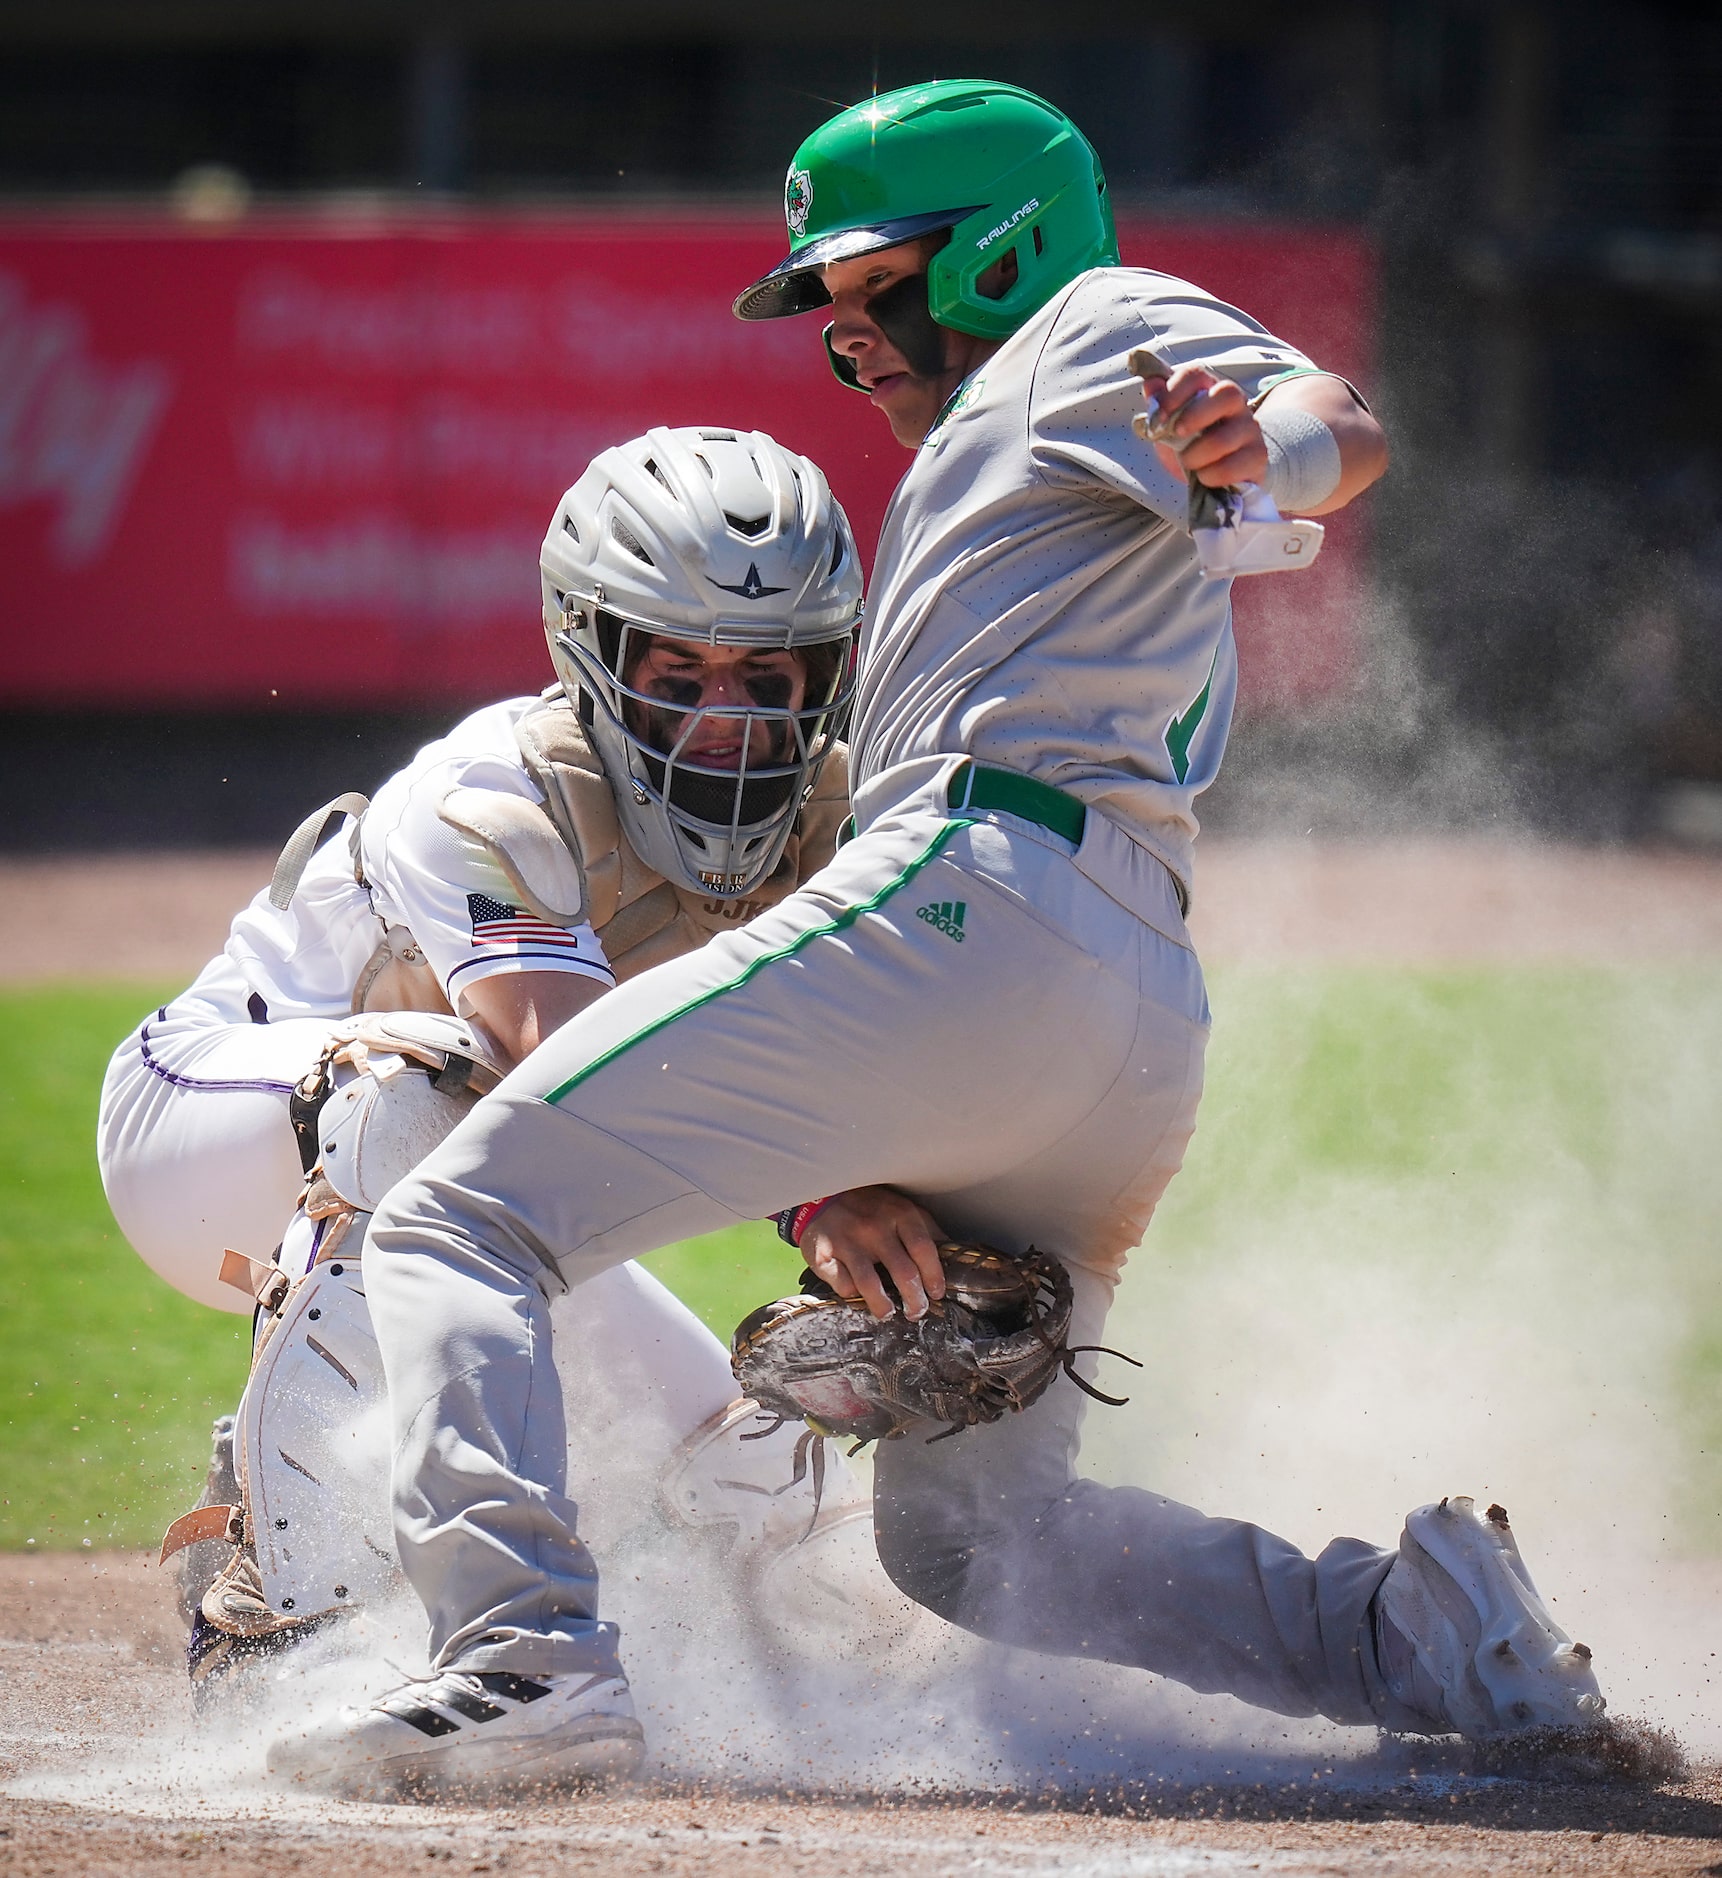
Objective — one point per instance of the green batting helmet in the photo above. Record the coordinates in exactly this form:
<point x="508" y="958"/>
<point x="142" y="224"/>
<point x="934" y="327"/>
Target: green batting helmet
<point x="995" y="165"/>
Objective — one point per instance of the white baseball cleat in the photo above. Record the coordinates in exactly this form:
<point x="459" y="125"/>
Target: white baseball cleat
<point x="1463" y="1637"/>
<point x="467" y="1730"/>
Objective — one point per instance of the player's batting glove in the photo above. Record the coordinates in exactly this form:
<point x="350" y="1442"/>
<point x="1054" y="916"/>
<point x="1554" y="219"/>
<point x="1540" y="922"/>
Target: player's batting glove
<point x="1236" y="530"/>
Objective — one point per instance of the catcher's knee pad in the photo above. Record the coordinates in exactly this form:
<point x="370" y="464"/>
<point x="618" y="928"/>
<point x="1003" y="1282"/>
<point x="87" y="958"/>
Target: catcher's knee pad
<point x="735" y="1474"/>
<point x="390" y="1087"/>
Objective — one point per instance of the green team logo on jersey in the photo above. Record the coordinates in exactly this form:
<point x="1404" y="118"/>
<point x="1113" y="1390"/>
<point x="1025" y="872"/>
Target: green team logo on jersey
<point x="797" y="201"/>
<point x="959" y="400"/>
<point x="945" y="916"/>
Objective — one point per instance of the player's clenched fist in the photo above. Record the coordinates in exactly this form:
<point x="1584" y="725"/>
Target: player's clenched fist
<point x="1201" y="425"/>
<point x="859" y="1238"/>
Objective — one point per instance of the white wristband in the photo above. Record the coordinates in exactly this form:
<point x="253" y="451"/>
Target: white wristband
<point x="1303" y="457"/>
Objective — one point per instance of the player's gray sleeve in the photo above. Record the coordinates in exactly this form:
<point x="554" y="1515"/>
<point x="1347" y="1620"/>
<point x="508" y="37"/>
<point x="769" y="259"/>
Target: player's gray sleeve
<point x="1084" y="394"/>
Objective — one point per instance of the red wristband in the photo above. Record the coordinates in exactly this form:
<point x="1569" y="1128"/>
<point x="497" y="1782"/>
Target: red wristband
<point x="793" y="1221"/>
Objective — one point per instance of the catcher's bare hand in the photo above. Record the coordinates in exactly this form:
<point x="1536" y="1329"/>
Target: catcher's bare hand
<point x="1209" y="429"/>
<point x="869" y="1230"/>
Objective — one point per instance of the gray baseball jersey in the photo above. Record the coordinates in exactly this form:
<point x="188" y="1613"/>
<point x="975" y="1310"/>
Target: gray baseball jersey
<point x="1035" y="601"/>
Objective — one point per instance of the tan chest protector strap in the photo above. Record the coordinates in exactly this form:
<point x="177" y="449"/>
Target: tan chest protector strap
<point x="398" y="977"/>
<point x="304" y="842"/>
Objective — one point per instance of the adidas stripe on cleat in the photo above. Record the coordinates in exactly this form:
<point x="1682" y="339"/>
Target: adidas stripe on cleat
<point x="1463" y="1639"/>
<point x="470" y="1731"/>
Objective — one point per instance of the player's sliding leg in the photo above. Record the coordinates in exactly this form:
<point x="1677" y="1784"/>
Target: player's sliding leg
<point x="1463" y="1640"/>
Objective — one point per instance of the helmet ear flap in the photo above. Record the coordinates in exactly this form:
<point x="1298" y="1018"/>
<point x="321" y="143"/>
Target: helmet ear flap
<point x="842" y="369"/>
<point x="1060" y="226"/>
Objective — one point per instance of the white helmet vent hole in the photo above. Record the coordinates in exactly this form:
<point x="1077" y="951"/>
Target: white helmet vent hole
<point x="753" y="526"/>
<point x="629" y="540"/>
<point x="568" y="527"/>
<point x="653" y="470"/>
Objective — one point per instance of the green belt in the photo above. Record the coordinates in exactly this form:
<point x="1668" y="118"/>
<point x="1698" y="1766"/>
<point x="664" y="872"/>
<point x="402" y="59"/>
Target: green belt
<point x="975" y="786"/>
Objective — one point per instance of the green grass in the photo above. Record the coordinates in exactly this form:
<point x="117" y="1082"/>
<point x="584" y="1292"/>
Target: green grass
<point x="1419" y="1122"/>
<point x="108" y="1378"/>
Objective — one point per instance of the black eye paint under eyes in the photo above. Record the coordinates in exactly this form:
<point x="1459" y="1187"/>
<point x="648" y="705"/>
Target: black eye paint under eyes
<point x="769" y="690"/>
<point x="684" y="693"/>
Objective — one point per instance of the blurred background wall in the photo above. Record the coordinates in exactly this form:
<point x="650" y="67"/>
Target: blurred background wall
<point x="301" y="300"/>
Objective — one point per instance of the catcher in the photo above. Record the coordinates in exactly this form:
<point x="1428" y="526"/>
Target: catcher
<point x="684" y="776"/>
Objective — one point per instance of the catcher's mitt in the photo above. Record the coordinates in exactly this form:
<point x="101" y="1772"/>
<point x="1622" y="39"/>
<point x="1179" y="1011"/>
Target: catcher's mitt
<point x="992" y="1344"/>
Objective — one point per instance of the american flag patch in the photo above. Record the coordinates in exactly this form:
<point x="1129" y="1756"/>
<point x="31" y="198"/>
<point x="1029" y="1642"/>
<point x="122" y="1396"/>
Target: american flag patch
<point x="495" y="923"/>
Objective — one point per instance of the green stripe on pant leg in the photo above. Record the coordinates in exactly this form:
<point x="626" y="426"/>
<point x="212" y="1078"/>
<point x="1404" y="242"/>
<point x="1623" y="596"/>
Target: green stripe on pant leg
<point x="846" y="918"/>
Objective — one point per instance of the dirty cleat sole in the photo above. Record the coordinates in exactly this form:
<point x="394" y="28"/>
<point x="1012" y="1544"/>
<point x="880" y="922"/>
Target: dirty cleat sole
<point x="1476" y="1647"/>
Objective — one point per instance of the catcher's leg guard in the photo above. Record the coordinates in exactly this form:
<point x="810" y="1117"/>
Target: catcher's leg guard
<point x="235" y="1627"/>
<point x="312" y="1451"/>
<point x="309" y="1534"/>
<point x="798" y="1521"/>
<point x="310" y="1527"/>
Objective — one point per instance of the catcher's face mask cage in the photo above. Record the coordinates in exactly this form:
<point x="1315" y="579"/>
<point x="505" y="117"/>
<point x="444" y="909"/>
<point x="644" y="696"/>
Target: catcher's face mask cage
<point x="729" y="825"/>
<point x="709" y="538"/>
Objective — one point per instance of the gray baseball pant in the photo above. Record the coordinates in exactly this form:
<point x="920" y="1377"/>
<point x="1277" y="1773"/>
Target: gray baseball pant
<point x="963" y="1006"/>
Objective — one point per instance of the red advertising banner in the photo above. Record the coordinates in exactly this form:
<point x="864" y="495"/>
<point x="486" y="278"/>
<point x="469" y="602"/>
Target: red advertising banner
<point x="309" y="460"/>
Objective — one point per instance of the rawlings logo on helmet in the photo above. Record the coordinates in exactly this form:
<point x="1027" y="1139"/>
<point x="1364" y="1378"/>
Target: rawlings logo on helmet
<point x="797" y="200"/>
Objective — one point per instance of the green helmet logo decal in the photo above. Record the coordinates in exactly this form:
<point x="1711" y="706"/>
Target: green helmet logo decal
<point x="797" y="200"/>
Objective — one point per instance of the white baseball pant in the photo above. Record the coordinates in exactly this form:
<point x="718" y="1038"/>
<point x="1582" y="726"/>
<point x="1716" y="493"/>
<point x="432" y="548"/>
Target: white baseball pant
<point x="1008" y="1028"/>
<point x="197" y="1155"/>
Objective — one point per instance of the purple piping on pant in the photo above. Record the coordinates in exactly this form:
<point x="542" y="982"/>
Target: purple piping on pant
<point x="158" y="1068"/>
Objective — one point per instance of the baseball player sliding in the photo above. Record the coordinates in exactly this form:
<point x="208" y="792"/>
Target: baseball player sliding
<point x="513" y="873"/>
<point x="992" y="981"/>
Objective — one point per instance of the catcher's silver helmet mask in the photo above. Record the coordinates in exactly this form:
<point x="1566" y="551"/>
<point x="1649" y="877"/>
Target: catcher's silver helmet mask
<point x="724" y="538"/>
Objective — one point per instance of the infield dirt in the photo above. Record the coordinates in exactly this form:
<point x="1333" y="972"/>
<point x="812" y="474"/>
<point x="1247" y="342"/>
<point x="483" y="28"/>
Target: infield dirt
<point x="1424" y="900"/>
<point x="90" y="1677"/>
